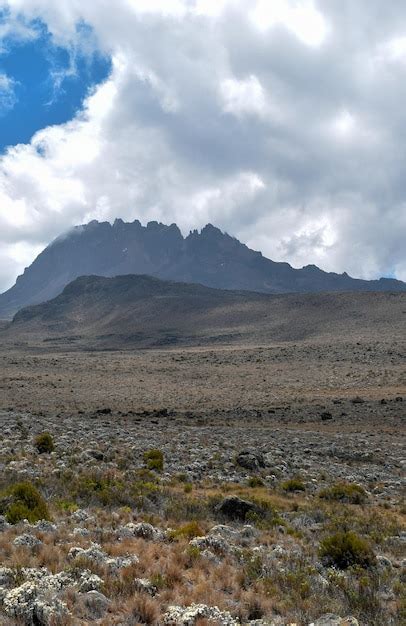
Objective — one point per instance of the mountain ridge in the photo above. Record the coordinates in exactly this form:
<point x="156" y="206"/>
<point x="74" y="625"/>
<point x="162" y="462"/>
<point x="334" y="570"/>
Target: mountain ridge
<point x="141" y="311"/>
<point x="209" y="257"/>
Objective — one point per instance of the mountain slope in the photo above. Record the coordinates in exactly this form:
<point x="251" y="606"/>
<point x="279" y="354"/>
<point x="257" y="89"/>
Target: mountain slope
<point x="210" y="257"/>
<point x="141" y="311"/>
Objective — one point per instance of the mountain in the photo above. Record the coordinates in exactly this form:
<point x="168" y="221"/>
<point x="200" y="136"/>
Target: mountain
<point x="141" y="311"/>
<point x="209" y="257"/>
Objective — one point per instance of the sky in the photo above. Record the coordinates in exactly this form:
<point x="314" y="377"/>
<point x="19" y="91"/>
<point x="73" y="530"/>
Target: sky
<point x="282" y="122"/>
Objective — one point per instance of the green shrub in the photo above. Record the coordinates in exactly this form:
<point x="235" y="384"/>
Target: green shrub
<point x="154" y="460"/>
<point x="293" y="484"/>
<point x="187" y="531"/>
<point x="345" y="549"/>
<point x="23" y="501"/>
<point x="193" y="554"/>
<point x="266" y="516"/>
<point x="255" y="481"/>
<point x="44" y="443"/>
<point x="68" y="506"/>
<point x="344" y="492"/>
<point x="99" y="488"/>
<point x="144" y="475"/>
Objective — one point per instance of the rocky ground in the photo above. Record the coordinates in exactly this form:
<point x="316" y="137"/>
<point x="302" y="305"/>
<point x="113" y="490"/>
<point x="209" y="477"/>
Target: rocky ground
<point x="253" y="487"/>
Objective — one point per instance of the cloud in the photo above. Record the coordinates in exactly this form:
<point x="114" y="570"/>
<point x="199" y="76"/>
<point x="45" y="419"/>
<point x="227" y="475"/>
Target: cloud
<point x="301" y="18"/>
<point x="14" y="29"/>
<point x="242" y="97"/>
<point x="8" y="96"/>
<point x="284" y="126"/>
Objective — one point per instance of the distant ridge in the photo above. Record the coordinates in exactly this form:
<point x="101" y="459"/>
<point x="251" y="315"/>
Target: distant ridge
<point x="209" y="257"/>
<point x="145" y="312"/>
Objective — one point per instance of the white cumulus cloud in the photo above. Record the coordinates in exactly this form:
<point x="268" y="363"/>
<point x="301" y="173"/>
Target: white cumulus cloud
<point x="281" y="122"/>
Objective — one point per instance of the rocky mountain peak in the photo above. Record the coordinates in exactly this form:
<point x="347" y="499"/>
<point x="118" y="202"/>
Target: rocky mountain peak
<point x="210" y="257"/>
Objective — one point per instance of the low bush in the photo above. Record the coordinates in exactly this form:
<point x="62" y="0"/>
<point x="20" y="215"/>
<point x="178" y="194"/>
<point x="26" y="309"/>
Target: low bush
<point x="266" y="516"/>
<point x="154" y="460"/>
<point x="345" y="549"/>
<point x="293" y="484"/>
<point x="344" y="492"/>
<point x="99" y="489"/>
<point x="187" y="531"/>
<point x="255" y="481"/>
<point x="44" y="443"/>
<point x="68" y="506"/>
<point x="23" y="501"/>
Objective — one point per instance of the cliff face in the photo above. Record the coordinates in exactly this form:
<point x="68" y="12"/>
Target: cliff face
<point x="209" y="257"/>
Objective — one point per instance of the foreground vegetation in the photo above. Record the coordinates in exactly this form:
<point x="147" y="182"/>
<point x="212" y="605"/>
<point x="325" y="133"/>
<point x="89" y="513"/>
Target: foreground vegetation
<point x="294" y="554"/>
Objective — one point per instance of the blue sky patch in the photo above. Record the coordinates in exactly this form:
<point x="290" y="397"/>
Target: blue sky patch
<point x="50" y="84"/>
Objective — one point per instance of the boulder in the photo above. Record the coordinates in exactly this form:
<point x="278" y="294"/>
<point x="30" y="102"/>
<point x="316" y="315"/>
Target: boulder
<point x="96" y="605"/>
<point x="251" y="460"/>
<point x="234" y="507"/>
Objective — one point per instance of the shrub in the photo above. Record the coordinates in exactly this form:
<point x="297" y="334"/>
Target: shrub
<point x="23" y="501"/>
<point x="344" y="492"/>
<point x="293" y="484"/>
<point x="44" y="443"/>
<point x="253" y="567"/>
<point x="154" y="460"/>
<point x="188" y="531"/>
<point x="345" y="549"/>
<point x="144" y="475"/>
<point x="255" y="481"/>
<point x="265" y="516"/>
<point x="106" y="489"/>
<point x="68" y="506"/>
